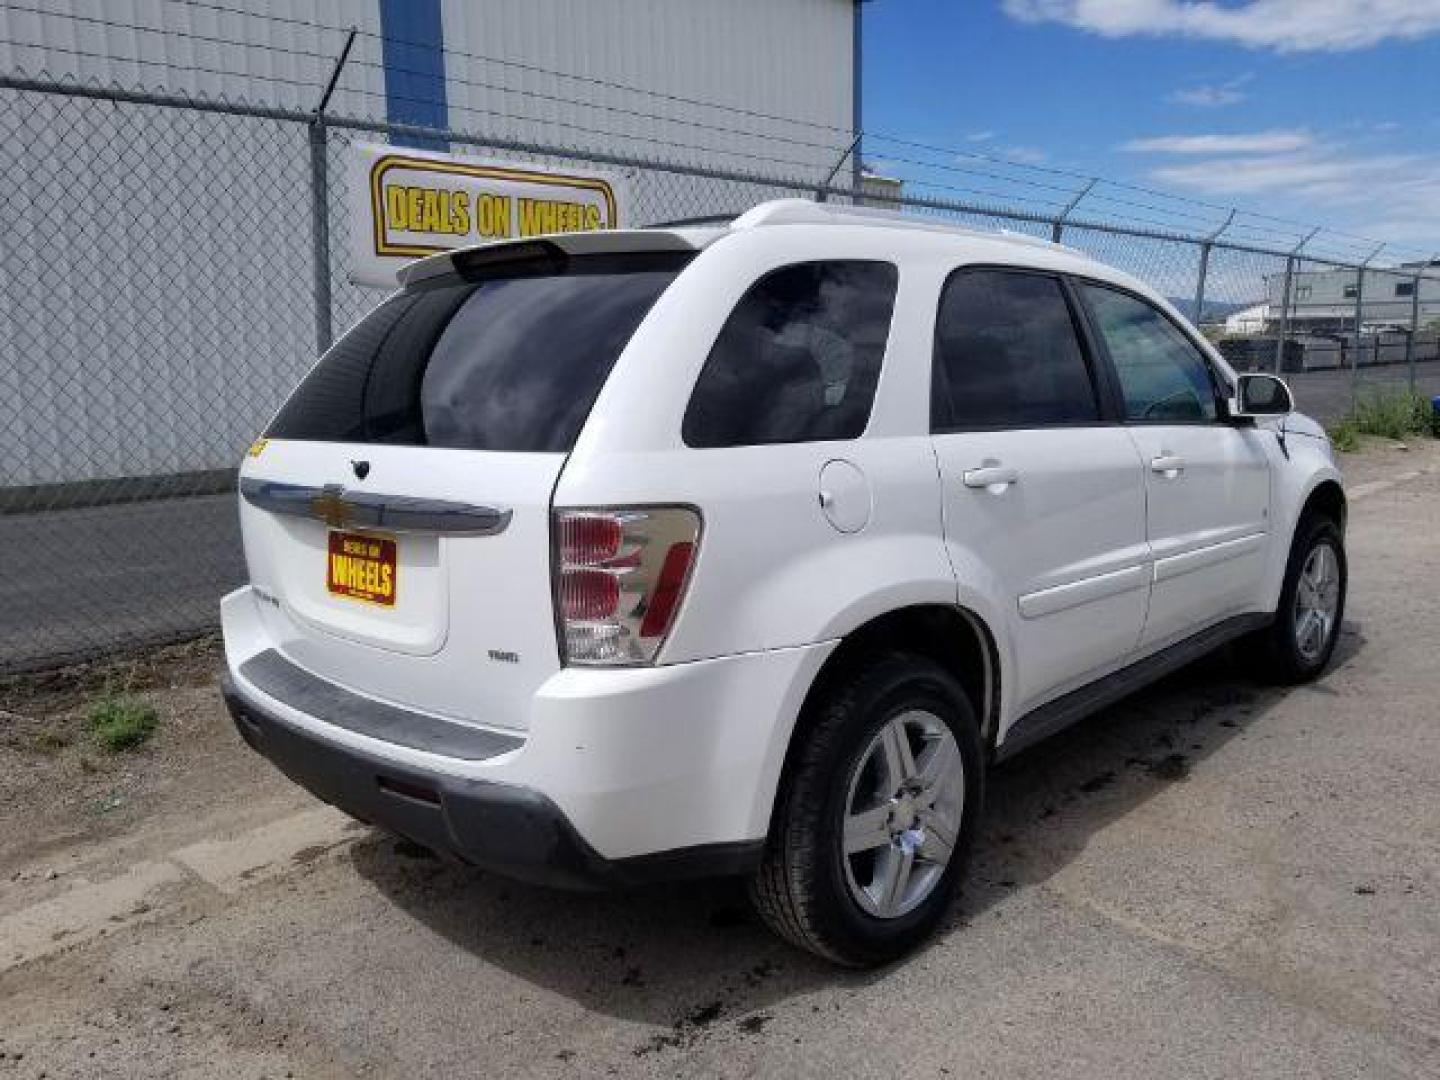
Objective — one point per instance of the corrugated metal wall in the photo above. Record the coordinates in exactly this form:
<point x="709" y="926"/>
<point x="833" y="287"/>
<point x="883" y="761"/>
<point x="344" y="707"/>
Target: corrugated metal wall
<point x="150" y="255"/>
<point x="777" y="73"/>
<point x="260" y="51"/>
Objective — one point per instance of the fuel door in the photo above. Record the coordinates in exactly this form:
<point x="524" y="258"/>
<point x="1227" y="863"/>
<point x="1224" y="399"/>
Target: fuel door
<point x="845" y="496"/>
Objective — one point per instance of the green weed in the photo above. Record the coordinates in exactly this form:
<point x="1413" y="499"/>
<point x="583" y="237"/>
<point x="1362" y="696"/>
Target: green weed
<point x="120" y="722"/>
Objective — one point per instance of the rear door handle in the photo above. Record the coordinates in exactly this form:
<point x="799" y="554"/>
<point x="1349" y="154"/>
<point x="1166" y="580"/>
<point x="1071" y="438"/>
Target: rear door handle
<point x="1170" y="465"/>
<point x="990" y="476"/>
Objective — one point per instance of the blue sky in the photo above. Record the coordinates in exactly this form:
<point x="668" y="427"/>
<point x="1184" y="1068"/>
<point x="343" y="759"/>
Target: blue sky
<point x="1323" y="111"/>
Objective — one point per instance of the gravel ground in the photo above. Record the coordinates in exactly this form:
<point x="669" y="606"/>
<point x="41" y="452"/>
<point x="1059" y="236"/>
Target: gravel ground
<point x="1211" y="879"/>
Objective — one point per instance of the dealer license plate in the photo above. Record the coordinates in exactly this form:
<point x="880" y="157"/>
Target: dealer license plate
<point x="362" y="567"/>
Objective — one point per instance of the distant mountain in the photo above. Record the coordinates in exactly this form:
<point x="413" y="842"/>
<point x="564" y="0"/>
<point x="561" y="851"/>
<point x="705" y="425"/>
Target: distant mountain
<point x="1214" y="309"/>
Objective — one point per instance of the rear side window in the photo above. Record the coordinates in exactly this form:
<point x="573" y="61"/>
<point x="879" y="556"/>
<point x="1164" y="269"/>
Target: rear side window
<point x="1007" y="355"/>
<point x="798" y="359"/>
<point x="503" y="363"/>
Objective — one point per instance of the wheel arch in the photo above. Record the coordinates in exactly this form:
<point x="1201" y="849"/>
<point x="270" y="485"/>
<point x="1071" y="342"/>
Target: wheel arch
<point x="956" y="638"/>
<point x="1326" y="499"/>
<point x="1297" y="494"/>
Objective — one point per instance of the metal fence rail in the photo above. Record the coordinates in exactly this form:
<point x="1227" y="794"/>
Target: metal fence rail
<point x="172" y="265"/>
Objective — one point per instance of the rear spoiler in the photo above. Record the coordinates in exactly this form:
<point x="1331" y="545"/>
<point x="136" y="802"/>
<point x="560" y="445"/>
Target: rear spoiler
<point x="555" y="245"/>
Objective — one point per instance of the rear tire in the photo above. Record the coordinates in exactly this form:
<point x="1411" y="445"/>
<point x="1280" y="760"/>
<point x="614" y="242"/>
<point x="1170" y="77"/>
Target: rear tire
<point x="876" y="815"/>
<point x="1297" y="646"/>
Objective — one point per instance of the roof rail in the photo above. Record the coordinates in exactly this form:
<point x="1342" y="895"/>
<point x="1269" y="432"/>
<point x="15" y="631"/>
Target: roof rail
<point x="803" y="211"/>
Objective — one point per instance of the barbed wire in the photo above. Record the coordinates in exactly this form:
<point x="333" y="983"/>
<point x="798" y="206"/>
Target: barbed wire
<point x="1180" y="213"/>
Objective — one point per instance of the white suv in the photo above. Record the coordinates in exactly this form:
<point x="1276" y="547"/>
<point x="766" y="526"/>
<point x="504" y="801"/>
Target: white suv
<point x="602" y="558"/>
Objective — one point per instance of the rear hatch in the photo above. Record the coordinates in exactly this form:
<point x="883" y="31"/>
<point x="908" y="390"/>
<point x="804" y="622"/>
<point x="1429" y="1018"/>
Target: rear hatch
<point x="397" y="516"/>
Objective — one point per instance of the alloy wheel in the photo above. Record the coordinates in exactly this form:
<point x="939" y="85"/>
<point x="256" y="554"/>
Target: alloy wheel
<point x="1317" y="598"/>
<point x="902" y="814"/>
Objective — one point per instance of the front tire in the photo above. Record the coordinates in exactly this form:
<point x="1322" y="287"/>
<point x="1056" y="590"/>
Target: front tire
<point x="877" y="815"/>
<point x="1298" y="645"/>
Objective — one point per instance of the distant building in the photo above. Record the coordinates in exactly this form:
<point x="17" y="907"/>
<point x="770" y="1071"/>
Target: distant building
<point x="167" y="253"/>
<point x="1251" y="320"/>
<point x="1323" y="301"/>
<point x="886" y="187"/>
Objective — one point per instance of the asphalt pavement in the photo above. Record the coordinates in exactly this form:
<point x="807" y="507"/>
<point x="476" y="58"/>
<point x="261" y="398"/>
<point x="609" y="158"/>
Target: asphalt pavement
<point x="1211" y="879"/>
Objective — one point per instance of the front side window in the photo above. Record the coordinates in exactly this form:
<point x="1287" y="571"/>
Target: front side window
<point x="799" y="358"/>
<point x="1007" y="355"/>
<point x="510" y="362"/>
<point x="1163" y="376"/>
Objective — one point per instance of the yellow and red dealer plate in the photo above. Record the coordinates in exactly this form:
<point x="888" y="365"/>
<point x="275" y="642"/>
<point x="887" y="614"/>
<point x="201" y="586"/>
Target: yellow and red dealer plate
<point x="362" y="567"/>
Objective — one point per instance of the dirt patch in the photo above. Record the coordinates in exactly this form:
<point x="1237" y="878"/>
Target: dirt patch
<point x="59" y="690"/>
<point x="62" y="793"/>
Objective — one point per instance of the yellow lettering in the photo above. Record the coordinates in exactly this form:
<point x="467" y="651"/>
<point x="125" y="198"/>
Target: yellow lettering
<point x="395" y="207"/>
<point x="492" y="215"/>
<point x="554" y="215"/>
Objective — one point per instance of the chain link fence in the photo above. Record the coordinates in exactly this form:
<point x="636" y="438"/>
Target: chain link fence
<point x="168" y="279"/>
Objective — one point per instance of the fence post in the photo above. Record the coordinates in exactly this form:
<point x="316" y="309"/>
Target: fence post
<point x="824" y="189"/>
<point x="1205" y="246"/>
<point x="1359" y="317"/>
<point x="1057" y="227"/>
<point x="320" y="205"/>
<point x="1284" y="323"/>
<point x="1414" y="329"/>
<point x="1290" y="261"/>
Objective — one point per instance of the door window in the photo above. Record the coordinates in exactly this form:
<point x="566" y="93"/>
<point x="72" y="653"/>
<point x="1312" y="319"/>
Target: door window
<point x="1007" y="355"/>
<point x="798" y="359"/>
<point x="1164" y="378"/>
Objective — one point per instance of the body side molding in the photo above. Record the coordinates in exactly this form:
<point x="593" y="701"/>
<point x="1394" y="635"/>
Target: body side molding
<point x="1054" y="716"/>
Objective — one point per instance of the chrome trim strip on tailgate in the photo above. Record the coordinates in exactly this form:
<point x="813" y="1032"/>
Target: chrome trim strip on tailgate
<point x="273" y="675"/>
<point x="342" y="509"/>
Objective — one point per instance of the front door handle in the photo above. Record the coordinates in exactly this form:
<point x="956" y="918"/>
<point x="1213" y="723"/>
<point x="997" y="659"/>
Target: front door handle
<point x="990" y="476"/>
<point x="1170" y="465"/>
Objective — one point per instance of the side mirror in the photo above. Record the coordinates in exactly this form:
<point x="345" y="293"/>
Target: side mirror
<point x="1261" y="396"/>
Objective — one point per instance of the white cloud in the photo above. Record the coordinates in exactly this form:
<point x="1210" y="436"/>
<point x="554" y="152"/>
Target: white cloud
<point x="1283" y="25"/>
<point x="980" y="136"/>
<point x="1213" y="96"/>
<point x="1208" y="96"/>
<point x="1025" y="155"/>
<point x="1260" y="142"/>
<point x="1389" y="196"/>
<point x="1328" y="175"/>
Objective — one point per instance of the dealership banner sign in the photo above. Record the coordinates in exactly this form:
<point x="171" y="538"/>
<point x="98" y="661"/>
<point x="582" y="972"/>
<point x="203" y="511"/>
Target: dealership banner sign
<point x="413" y="203"/>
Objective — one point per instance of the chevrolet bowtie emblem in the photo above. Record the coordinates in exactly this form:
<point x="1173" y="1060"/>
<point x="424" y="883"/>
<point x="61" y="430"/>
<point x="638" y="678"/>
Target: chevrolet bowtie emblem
<point x="330" y="506"/>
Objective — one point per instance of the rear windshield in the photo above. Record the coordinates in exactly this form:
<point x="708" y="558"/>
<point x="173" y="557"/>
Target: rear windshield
<point x="507" y="363"/>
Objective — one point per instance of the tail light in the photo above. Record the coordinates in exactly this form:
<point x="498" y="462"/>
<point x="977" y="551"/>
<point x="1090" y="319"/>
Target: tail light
<point x="620" y="576"/>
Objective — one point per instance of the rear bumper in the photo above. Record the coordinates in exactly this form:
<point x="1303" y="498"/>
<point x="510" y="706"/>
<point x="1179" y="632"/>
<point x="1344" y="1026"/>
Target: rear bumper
<point x="609" y="777"/>
<point x="507" y="828"/>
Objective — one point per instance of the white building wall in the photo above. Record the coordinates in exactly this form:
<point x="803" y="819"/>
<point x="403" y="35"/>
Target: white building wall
<point x="776" y="77"/>
<point x="1325" y="296"/>
<point x="155" y="303"/>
